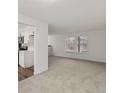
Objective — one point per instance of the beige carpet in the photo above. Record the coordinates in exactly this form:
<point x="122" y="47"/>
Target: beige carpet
<point x="67" y="76"/>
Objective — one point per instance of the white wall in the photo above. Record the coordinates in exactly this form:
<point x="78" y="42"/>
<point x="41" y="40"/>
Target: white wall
<point x="96" y="45"/>
<point x="40" y="43"/>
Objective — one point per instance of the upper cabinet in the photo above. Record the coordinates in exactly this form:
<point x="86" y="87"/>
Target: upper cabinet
<point x="26" y="32"/>
<point x="25" y="36"/>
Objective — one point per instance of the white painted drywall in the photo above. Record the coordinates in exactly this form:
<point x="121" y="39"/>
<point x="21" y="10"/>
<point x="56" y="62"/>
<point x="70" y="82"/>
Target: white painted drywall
<point x="96" y="45"/>
<point x="41" y="49"/>
<point x="67" y="15"/>
<point x="40" y="42"/>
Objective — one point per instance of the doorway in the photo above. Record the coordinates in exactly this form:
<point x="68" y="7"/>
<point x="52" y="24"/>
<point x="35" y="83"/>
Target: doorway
<point x="26" y="39"/>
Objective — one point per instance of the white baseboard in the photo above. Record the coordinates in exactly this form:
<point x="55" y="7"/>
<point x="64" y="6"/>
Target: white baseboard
<point x="80" y="59"/>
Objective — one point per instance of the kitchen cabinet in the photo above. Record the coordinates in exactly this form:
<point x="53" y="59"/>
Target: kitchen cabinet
<point x="21" y="59"/>
<point x="26" y="36"/>
<point x="26" y="58"/>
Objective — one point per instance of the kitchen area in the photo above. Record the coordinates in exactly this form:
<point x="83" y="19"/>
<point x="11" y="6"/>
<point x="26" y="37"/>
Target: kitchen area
<point x="26" y="35"/>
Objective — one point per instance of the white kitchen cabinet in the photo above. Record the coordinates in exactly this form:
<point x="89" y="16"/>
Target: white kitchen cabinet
<point x="26" y="32"/>
<point x="29" y="58"/>
<point x="26" y="58"/>
<point x="21" y="59"/>
<point x="26" y="36"/>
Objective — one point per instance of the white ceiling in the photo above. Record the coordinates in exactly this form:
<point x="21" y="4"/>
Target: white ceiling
<point x="67" y="15"/>
<point x="21" y="26"/>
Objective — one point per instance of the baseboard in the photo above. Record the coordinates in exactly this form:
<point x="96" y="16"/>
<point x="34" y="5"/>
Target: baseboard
<point x="37" y="73"/>
<point x="77" y="59"/>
